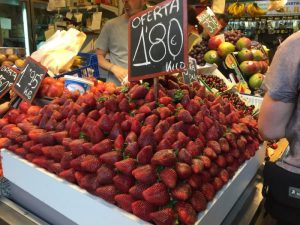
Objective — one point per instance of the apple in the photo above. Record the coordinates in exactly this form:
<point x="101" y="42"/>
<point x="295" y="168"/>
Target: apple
<point x="214" y="42"/>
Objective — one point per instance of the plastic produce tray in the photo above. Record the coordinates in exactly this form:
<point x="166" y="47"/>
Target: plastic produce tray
<point x="85" y="209"/>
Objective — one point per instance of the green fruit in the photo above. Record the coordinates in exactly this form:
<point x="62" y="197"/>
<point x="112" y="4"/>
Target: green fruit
<point x="212" y="57"/>
<point x="243" y="42"/>
<point x="225" y="48"/>
<point x="244" y="55"/>
<point x="255" y="81"/>
<point x="257" y="55"/>
<point x="249" y="67"/>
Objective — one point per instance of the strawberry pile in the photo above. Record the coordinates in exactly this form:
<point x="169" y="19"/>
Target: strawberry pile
<point x="162" y="161"/>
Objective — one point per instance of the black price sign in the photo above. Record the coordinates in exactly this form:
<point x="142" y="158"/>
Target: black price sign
<point x="158" y="41"/>
<point x="8" y="75"/>
<point x="209" y="22"/>
<point x="190" y="74"/>
<point x="29" y="80"/>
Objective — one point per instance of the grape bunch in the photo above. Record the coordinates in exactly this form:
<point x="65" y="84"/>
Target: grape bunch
<point x="199" y="51"/>
<point x="238" y="103"/>
<point x="214" y="82"/>
<point x="233" y="36"/>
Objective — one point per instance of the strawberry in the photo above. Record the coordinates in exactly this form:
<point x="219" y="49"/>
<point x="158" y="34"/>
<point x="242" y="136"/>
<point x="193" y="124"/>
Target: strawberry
<point x="208" y="191"/>
<point x="139" y="92"/>
<point x="182" y="192"/>
<point x="21" y="151"/>
<point x="197" y="166"/>
<point x="110" y="158"/>
<point x="171" y="120"/>
<point x="183" y="170"/>
<point x="123" y="182"/>
<point x="146" y="137"/>
<point x="68" y="175"/>
<point x="76" y="147"/>
<point x="194" y="148"/>
<point x="87" y="146"/>
<point x="221" y="161"/>
<point x="195" y="181"/>
<point x="105" y="123"/>
<point x="171" y="135"/>
<point x="28" y="144"/>
<point x="59" y="136"/>
<point x="135" y="126"/>
<point x="164" y="216"/>
<point x="213" y="133"/>
<point x="126" y="166"/>
<point x="184" y="116"/>
<point x="165" y="157"/>
<point x="186" y="213"/>
<point x="193" y="107"/>
<point x="131" y="137"/>
<point x="81" y="119"/>
<point x="235" y="153"/>
<point x="206" y="161"/>
<point x="208" y="122"/>
<point x="94" y="114"/>
<point x="119" y="143"/>
<point x="202" y="127"/>
<point x="163" y="125"/>
<point x="132" y="149"/>
<point x="66" y="160"/>
<point x="145" y="174"/>
<point x="169" y="177"/>
<point x="56" y="152"/>
<point x="232" y="117"/>
<point x="124" y="201"/>
<point x="209" y="152"/>
<point x="157" y="194"/>
<point x="124" y="105"/>
<point x="145" y="154"/>
<point x="164" y="112"/>
<point x="217" y="183"/>
<point x="76" y="162"/>
<point x="151" y="120"/>
<point x="164" y="144"/>
<point x="215" y="146"/>
<point x="172" y="85"/>
<point x="21" y="138"/>
<point x="158" y="134"/>
<point x="115" y="131"/>
<point x="224" y="175"/>
<point x="89" y="182"/>
<point x="126" y="125"/>
<point x="105" y="175"/>
<point x="90" y="164"/>
<point x="182" y="137"/>
<point x="107" y="192"/>
<point x="95" y="135"/>
<point x="198" y="201"/>
<point x="102" y="147"/>
<point x="150" y="96"/>
<point x="165" y="100"/>
<point x="142" y="209"/>
<point x="145" y="109"/>
<point x="184" y="156"/>
<point x="111" y="104"/>
<point x="224" y="145"/>
<point x="193" y="131"/>
<point x="214" y="169"/>
<point x="136" y="191"/>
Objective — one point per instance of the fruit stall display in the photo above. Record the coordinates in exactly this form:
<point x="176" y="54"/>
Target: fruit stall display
<point x="251" y="60"/>
<point x="11" y="57"/>
<point x="161" y="160"/>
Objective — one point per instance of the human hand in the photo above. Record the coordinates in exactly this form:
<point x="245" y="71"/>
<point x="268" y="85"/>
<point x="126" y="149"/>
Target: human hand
<point x="120" y="72"/>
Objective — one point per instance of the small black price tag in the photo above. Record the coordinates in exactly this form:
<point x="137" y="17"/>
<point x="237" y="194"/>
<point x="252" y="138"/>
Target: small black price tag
<point x="191" y="72"/>
<point x="8" y="75"/>
<point x="29" y="80"/>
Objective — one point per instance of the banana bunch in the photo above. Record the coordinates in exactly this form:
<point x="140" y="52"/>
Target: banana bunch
<point x="254" y="10"/>
<point x="236" y="9"/>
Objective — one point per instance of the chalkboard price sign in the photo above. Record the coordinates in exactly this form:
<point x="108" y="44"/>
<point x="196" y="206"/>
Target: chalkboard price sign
<point x="158" y="40"/>
<point x="29" y="80"/>
<point x="8" y="75"/>
<point x="190" y="74"/>
<point x="209" y="22"/>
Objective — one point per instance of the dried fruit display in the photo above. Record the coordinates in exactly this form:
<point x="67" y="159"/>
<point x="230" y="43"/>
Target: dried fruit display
<point x="161" y="161"/>
<point x="214" y="82"/>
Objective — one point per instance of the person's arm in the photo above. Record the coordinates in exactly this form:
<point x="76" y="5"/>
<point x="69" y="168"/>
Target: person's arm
<point x="120" y="72"/>
<point x="273" y="118"/>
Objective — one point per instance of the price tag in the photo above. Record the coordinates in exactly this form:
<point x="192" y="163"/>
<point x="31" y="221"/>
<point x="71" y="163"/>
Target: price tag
<point x="8" y="75"/>
<point x="209" y="22"/>
<point x="29" y="80"/>
<point x="158" y="41"/>
<point x="191" y="72"/>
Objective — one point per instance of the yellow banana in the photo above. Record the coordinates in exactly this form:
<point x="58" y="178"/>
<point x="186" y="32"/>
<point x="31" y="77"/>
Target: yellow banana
<point x="251" y="9"/>
<point x="258" y="11"/>
<point x="231" y="8"/>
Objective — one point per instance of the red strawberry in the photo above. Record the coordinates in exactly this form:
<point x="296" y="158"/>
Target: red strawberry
<point x="124" y="105"/>
<point x="232" y="117"/>
<point x="224" y="145"/>
<point x="21" y="151"/>
<point x="76" y="147"/>
<point x="163" y="125"/>
<point x="105" y="123"/>
<point x="164" y="112"/>
<point x="208" y="191"/>
<point x="151" y="120"/>
<point x="94" y="114"/>
<point x="94" y="134"/>
<point x="193" y="107"/>
<point x="145" y="154"/>
<point x="206" y="161"/>
<point x="111" y="104"/>
<point x="215" y="146"/>
<point x="197" y="165"/>
<point x="135" y="126"/>
<point x="145" y="174"/>
<point x="194" y="148"/>
<point x="183" y="170"/>
<point x="107" y="192"/>
<point x="171" y="120"/>
<point x="145" y="109"/>
<point x="119" y="142"/>
<point x="21" y="138"/>
<point x="169" y="177"/>
<point x="186" y="213"/>
<point x="240" y="144"/>
<point x="132" y="149"/>
<point x="59" y="136"/>
<point x="89" y="182"/>
<point x="208" y="121"/>
<point x="214" y="169"/>
<point x="198" y="201"/>
<point x="136" y="191"/>
<point x="185" y="116"/>
<point x="202" y="127"/>
<point x="115" y="131"/>
<point x="164" y="157"/>
<point x="158" y="134"/>
<point x="165" y="100"/>
<point x="235" y="153"/>
<point x="183" y="138"/>
<point x="184" y="156"/>
<point x="182" y="192"/>
<point x="221" y="161"/>
<point x="110" y="158"/>
<point x="90" y="164"/>
<point x="150" y="96"/>
<point x="164" y="216"/>
<point x="224" y="175"/>
<point x="68" y="175"/>
<point x="217" y="183"/>
<point x="66" y="160"/>
<point x="164" y="144"/>
<point x="126" y="125"/>
<point x="142" y="209"/>
<point x="209" y="152"/>
<point x="193" y="131"/>
<point x="131" y="137"/>
<point x="195" y="181"/>
<point x="146" y="137"/>
<point x="102" y="147"/>
<point x="157" y="194"/>
<point x="126" y="166"/>
<point x="139" y="92"/>
<point x="123" y="182"/>
<point x="28" y="144"/>
<point x="105" y="175"/>
<point x="124" y="201"/>
<point x="171" y="135"/>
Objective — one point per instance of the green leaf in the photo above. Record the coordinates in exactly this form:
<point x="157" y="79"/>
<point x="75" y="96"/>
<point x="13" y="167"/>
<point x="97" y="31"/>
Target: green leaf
<point x="124" y="89"/>
<point x="102" y="99"/>
<point x="178" y="95"/>
<point x="82" y="135"/>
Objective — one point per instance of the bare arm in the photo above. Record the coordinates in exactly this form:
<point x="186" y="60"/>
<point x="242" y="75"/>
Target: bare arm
<point x="273" y="118"/>
<point x="120" y="72"/>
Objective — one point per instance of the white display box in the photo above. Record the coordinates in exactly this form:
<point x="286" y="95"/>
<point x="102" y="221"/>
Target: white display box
<point x="85" y="209"/>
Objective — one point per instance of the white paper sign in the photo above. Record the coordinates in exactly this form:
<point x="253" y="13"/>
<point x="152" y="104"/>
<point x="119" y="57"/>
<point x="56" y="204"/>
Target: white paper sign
<point x="96" y="21"/>
<point x="5" y="23"/>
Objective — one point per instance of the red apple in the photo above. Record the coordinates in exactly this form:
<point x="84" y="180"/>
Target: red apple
<point x="214" y="42"/>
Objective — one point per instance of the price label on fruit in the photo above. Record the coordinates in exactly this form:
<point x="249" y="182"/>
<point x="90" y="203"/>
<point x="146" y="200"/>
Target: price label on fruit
<point x="158" y="41"/>
<point x="8" y="75"/>
<point x="209" y="22"/>
<point x="29" y="80"/>
<point x="191" y="72"/>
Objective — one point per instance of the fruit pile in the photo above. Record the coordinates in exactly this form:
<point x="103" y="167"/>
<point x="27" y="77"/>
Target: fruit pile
<point x="214" y="82"/>
<point x="238" y="103"/>
<point x="233" y="36"/>
<point x="198" y="52"/>
<point x="239" y="9"/>
<point x="161" y="160"/>
<point x="10" y="58"/>
<point x="51" y="87"/>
